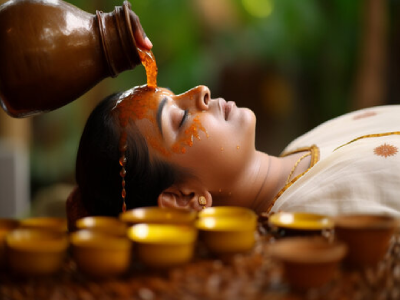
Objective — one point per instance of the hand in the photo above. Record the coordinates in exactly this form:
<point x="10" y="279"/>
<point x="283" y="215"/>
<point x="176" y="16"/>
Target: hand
<point x="142" y="41"/>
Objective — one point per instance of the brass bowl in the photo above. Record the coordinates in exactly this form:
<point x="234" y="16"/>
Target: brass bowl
<point x="226" y="211"/>
<point x="367" y="237"/>
<point x="287" y="224"/>
<point x="109" y="225"/>
<point x="228" y="235"/>
<point x="36" y="251"/>
<point x="100" y="255"/>
<point x="158" y="215"/>
<point x="163" y="245"/>
<point x="308" y="262"/>
<point x="6" y="225"/>
<point x="48" y="223"/>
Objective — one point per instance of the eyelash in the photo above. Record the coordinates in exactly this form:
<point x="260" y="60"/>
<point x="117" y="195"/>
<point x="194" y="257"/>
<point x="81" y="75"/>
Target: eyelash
<point x="185" y="115"/>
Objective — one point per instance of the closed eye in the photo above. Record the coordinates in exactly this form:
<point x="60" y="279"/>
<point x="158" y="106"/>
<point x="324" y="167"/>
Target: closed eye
<point x="185" y="115"/>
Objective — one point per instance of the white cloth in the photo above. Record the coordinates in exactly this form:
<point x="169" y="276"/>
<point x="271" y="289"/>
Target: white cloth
<point x="361" y="176"/>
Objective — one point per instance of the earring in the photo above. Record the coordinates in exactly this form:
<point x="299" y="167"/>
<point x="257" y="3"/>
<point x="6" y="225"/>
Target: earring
<point x="202" y="202"/>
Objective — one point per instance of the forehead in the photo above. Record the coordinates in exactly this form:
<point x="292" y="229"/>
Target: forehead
<point x="140" y="105"/>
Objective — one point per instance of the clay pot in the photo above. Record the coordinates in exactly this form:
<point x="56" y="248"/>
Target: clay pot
<point x="367" y="237"/>
<point x="52" y="52"/>
<point x="308" y="262"/>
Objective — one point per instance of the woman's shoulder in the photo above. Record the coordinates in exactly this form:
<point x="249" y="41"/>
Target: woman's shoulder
<point x="347" y="127"/>
<point x="361" y="176"/>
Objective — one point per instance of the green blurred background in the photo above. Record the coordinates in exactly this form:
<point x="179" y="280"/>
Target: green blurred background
<point x="295" y="63"/>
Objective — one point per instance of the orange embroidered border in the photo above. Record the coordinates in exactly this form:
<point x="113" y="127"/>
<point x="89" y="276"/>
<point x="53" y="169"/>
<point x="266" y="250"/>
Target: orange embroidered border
<point x="370" y="136"/>
<point x="314" y="159"/>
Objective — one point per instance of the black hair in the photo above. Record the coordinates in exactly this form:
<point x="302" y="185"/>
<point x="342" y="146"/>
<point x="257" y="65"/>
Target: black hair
<point x="98" y="168"/>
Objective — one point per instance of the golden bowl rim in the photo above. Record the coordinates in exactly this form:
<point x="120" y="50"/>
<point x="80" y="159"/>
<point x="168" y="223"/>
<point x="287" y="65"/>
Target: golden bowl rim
<point x="52" y="223"/>
<point x="82" y="239"/>
<point x="92" y="222"/>
<point x="275" y="220"/>
<point x="225" y="211"/>
<point x="249" y="225"/>
<point x="60" y="240"/>
<point x="190" y="231"/>
<point x="163" y="215"/>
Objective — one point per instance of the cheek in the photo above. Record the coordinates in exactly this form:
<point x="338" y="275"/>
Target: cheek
<point x="217" y="145"/>
<point x="213" y="161"/>
<point x="193" y="132"/>
<point x="237" y="134"/>
<point x="222" y="151"/>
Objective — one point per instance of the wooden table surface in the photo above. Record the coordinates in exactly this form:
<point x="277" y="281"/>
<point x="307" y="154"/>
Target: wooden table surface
<point x="244" y="276"/>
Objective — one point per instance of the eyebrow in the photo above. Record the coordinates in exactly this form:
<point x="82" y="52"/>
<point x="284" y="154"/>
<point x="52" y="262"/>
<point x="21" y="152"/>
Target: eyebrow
<point x="159" y="114"/>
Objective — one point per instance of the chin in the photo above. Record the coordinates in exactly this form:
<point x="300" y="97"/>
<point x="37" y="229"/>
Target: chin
<point x="249" y="124"/>
<point x="249" y="118"/>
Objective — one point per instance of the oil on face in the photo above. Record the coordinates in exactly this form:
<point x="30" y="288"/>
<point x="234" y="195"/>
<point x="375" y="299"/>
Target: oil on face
<point x="148" y="105"/>
<point x="211" y="137"/>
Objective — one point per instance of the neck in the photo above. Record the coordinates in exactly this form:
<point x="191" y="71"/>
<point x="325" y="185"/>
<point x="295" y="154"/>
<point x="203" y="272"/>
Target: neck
<point x="271" y="181"/>
<point x="265" y="177"/>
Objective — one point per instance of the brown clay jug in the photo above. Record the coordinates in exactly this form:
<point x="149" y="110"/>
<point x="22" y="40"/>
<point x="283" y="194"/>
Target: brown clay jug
<point x="52" y="52"/>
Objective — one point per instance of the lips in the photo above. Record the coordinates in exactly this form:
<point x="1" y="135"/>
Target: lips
<point x="228" y="109"/>
<point x="225" y="108"/>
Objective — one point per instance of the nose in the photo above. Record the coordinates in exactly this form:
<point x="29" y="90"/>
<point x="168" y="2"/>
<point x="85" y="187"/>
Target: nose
<point x="197" y="98"/>
<point x="204" y="97"/>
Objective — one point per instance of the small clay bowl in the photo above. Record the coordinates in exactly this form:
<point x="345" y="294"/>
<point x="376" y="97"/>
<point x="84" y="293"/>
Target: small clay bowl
<point x="288" y="224"/>
<point x="308" y="262"/>
<point x="367" y="237"/>
<point x="33" y="252"/>
<point x="6" y="225"/>
<point x="158" y="215"/>
<point x="226" y="211"/>
<point x="48" y="223"/>
<point x="228" y="235"/>
<point x="101" y="255"/>
<point x="163" y="245"/>
<point x="109" y="225"/>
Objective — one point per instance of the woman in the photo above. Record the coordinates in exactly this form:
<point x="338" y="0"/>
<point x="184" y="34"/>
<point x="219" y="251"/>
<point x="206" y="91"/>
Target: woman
<point x="192" y="151"/>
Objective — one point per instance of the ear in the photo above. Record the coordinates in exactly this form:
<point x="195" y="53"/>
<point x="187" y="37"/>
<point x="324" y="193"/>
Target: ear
<point x="183" y="197"/>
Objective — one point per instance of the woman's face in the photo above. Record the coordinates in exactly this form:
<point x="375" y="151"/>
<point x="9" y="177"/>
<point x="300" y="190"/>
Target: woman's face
<point x="213" y="138"/>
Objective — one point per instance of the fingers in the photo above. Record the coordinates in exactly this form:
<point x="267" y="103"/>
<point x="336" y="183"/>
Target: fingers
<point x="142" y="41"/>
